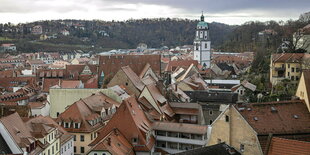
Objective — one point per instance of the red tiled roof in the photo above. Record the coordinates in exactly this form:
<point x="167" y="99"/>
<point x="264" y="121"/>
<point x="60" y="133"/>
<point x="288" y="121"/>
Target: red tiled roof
<point x="79" y="112"/>
<point x="9" y="82"/>
<point x="288" y="57"/>
<point x="115" y="143"/>
<point x="70" y="83"/>
<point x="9" y="73"/>
<point x="91" y="83"/>
<point x="47" y="83"/>
<point x="18" y="130"/>
<point x="133" y="77"/>
<point x="78" y="69"/>
<point x="36" y="105"/>
<point x="112" y="64"/>
<point x="48" y="122"/>
<point x="161" y="101"/>
<point x="283" y="117"/>
<point x="280" y="146"/>
<point x="131" y="121"/>
<point x="145" y="69"/>
<point x="98" y="101"/>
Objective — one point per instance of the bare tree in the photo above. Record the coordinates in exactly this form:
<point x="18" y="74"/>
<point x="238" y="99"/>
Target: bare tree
<point x="300" y="41"/>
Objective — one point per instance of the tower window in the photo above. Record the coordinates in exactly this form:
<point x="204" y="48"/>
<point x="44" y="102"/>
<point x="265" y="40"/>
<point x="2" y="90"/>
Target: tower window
<point x="206" y="44"/>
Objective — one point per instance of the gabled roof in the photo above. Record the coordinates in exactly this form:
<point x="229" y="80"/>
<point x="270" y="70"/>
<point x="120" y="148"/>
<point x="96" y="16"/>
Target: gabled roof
<point x="18" y="130"/>
<point x="245" y="84"/>
<point x="161" y="101"/>
<point x="287" y="57"/>
<point x="281" y="146"/>
<point x="111" y="64"/>
<point x="41" y="125"/>
<point x="196" y="82"/>
<point x="79" y="112"/>
<point x="133" y="77"/>
<point x="115" y="143"/>
<point x="78" y="69"/>
<point x="98" y="101"/>
<point x="131" y="121"/>
<point x="145" y="69"/>
<point x="282" y="117"/>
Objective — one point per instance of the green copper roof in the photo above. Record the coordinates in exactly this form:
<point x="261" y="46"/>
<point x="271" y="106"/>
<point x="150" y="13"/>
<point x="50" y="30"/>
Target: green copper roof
<point x="203" y="24"/>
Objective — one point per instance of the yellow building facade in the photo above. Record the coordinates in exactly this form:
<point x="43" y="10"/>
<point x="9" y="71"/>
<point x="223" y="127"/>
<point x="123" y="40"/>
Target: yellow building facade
<point x="285" y="66"/>
<point x="302" y="92"/>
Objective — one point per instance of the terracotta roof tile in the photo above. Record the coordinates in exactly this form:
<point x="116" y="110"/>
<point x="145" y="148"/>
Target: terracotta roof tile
<point x="145" y="69"/>
<point x="47" y="83"/>
<point x="133" y="77"/>
<point x="98" y="101"/>
<point x="288" y="57"/>
<point x="280" y="146"/>
<point x="115" y="143"/>
<point x="111" y="64"/>
<point x="70" y="83"/>
<point x="79" y="112"/>
<point x="283" y="117"/>
<point x="18" y="130"/>
<point x="131" y="121"/>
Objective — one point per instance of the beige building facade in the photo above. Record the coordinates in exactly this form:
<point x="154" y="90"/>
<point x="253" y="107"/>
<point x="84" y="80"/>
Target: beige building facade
<point x="230" y="127"/>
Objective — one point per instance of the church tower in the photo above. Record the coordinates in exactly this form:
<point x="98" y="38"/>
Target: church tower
<point x="202" y="44"/>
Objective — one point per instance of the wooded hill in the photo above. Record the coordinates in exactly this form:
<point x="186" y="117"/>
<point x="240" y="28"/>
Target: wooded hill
<point x="101" y="35"/>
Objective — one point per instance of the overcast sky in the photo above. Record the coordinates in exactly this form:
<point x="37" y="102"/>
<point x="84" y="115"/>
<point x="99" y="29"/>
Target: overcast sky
<point x="225" y="11"/>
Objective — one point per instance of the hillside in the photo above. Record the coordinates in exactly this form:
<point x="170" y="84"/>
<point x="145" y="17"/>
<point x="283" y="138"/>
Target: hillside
<point x="105" y="35"/>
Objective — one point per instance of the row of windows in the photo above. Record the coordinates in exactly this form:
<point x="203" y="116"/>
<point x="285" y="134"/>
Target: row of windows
<point x="197" y="46"/>
<point x="82" y="149"/>
<point x="82" y="137"/>
<point x="66" y="147"/>
<point x="294" y="78"/>
<point x="53" y="150"/>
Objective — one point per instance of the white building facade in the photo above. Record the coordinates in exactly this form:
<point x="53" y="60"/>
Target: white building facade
<point x="202" y="44"/>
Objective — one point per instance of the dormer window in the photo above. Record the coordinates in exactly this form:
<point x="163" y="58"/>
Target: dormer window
<point x="134" y="140"/>
<point x="76" y="125"/>
<point x="66" y="124"/>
